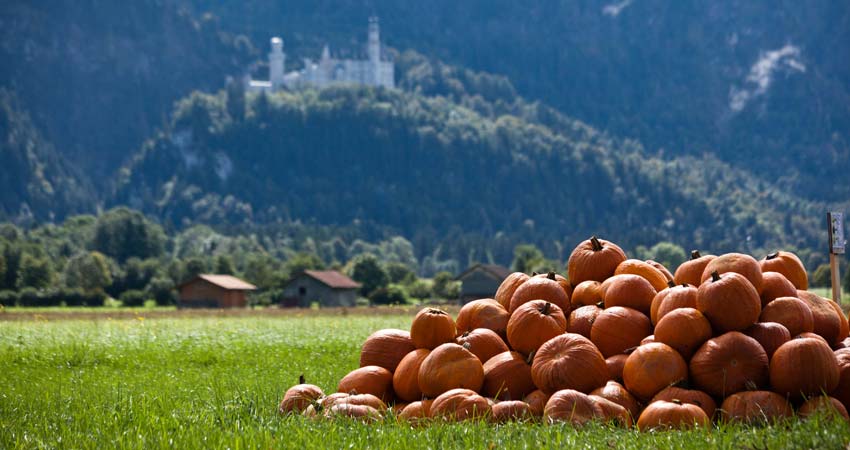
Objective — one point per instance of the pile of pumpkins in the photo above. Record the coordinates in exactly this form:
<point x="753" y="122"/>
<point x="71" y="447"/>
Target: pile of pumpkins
<point x="618" y="340"/>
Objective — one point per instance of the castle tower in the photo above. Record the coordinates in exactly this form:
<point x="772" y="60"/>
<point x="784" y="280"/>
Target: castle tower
<point x="374" y="40"/>
<point x="277" y="60"/>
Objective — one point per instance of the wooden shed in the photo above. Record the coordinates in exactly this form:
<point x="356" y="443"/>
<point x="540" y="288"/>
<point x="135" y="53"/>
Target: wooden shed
<point x="327" y="287"/>
<point x="481" y="281"/>
<point x="214" y="291"/>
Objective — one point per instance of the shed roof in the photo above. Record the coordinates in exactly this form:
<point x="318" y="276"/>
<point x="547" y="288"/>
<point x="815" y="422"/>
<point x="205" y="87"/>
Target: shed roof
<point x="497" y="271"/>
<point x="332" y="279"/>
<point x="228" y="282"/>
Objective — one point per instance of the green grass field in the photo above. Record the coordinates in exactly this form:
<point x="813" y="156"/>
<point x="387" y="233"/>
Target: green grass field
<point x="215" y="383"/>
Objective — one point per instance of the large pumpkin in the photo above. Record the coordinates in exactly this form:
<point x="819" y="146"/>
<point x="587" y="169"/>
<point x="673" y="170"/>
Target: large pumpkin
<point x="460" y="404"/>
<point x="508" y="287"/>
<point x="823" y="404"/>
<point x="739" y="263"/>
<point x="756" y="407"/>
<point x="618" y="394"/>
<point x="804" y="367"/>
<point x="692" y="396"/>
<point x="651" y="368"/>
<point x="568" y="361"/>
<point x="628" y="290"/>
<point x="594" y="259"/>
<point x="684" y="329"/>
<point x="483" y="313"/>
<point x="507" y="376"/>
<point x="690" y="272"/>
<point x="540" y="288"/>
<point x="511" y="410"/>
<point x="729" y="363"/>
<point x="842" y="391"/>
<point x="769" y="334"/>
<point x="586" y="293"/>
<point x="571" y="406"/>
<point x="664" y="415"/>
<point x="793" y="313"/>
<point x="432" y="327"/>
<point x="447" y="367"/>
<point x="406" y="376"/>
<point x="373" y="380"/>
<point x="827" y="322"/>
<point x="612" y="412"/>
<point x="581" y="320"/>
<point x="674" y="297"/>
<point x="386" y="348"/>
<point x="299" y="397"/>
<point x="729" y="302"/>
<point x="787" y="264"/>
<point x="618" y="329"/>
<point x="775" y="286"/>
<point x="483" y="343"/>
<point x="534" y="323"/>
<point x="637" y="267"/>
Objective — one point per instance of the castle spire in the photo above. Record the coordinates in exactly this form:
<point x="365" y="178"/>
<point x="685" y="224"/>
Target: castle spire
<point x="374" y="40"/>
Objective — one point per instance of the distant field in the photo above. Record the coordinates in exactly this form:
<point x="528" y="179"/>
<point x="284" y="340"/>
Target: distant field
<point x="214" y="382"/>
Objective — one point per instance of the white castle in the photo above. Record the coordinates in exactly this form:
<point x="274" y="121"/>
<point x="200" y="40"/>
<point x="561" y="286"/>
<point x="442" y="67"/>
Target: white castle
<point x="374" y="71"/>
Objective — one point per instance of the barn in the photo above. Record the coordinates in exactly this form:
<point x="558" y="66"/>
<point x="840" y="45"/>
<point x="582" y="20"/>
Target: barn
<point x="214" y="291"/>
<point x="481" y="281"/>
<point x="326" y="287"/>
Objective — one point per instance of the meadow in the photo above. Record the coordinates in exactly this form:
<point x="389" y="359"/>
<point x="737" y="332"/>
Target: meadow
<point x="215" y="381"/>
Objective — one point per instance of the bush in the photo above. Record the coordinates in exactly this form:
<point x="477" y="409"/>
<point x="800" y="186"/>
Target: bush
<point x="821" y="276"/>
<point x="133" y="297"/>
<point x="420" y="289"/>
<point x="161" y="289"/>
<point x="390" y="295"/>
<point x="8" y="298"/>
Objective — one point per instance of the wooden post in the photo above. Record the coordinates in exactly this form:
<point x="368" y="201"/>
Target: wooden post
<point x="836" y="280"/>
<point x="835" y="227"/>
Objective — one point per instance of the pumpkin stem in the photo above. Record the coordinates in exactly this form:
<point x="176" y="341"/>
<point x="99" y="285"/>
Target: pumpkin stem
<point x="695" y="254"/>
<point x="301" y="379"/>
<point x="534" y="274"/>
<point x="676" y="401"/>
<point x="671" y="284"/>
<point x="436" y="311"/>
<point x="551" y="275"/>
<point x="600" y="305"/>
<point x="715" y="276"/>
<point x="466" y="345"/>
<point x="684" y="285"/>
<point x="595" y="244"/>
<point x="751" y="386"/>
<point x="629" y="350"/>
<point x="546" y="308"/>
<point x="465" y="334"/>
<point x="772" y="255"/>
<point x="530" y="358"/>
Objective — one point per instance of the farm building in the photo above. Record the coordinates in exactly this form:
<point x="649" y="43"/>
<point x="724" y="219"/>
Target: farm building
<point x="481" y="281"/>
<point x="214" y="291"/>
<point x="327" y="287"/>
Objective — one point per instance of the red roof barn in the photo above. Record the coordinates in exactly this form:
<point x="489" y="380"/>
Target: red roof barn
<point x="214" y="291"/>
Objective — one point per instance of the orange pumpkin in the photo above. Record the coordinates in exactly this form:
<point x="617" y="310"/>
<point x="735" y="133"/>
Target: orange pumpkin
<point x="660" y="267"/>
<point x="692" y="396"/>
<point x="571" y="406"/>
<point x="299" y="397"/>
<point x="483" y="313"/>
<point x="568" y="361"/>
<point x="793" y="313"/>
<point x="447" y="367"/>
<point x="508" y="287"/>
<point x="611" y="411"/>
<point x="637" y="267"/>
<point x="827" y="323"/>
<point x="651" y="368"/>
<point x="729" y="363"/>
<point x="373" y="380"/>
<point x="355" y="399"/>
<point x="690" y="272"/>
<point x="739" y="263"/>
<point x="618" y="394"/>
<point x="628" y="290"/>
<point x="823" y="404"/>
<point x="562" y="280"/>
<point x="684" y="329"/>
<point x="617" y="329"/>
<point x="804" y="367"/>
<point x="775" y="286"/>
<point x="581" y="320"/>
<point x="406" y="376"/>
<point x="676" y="415"/>
<point x="507" y="376"/>
<point x="432" y="327"/>
<point x="674" y="297"/>
<point x="787" y="264"/>
<point x="416" y="412"/>
<point x="538" y="288"/>
<point x="386" y="348"/>
<point x="755" y="407"/>
<point x="594" y="259"/>
<point x="842" y="391"/>
<point x="844" y="328"/>
<point x="483" y="343"/>
<point x="362" y="412"/>
<point x="586" y="293"/>
<point x="511" y="411"/>
<point x="648" y="340"/>
<point x="537" y="401"/>
<point x="769" y="334"/>
<point x="729" y="302"/>
<point x="460" y="404"/>
<point x="615" y="366"/>
<point x="534" y="323"/>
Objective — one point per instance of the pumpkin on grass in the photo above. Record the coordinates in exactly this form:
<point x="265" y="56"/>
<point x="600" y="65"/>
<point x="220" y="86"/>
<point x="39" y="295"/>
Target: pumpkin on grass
<point x="755" y="407"/>
<point x="571" y="406"/>
<point x="729" y="302"/>
<point x="483" y="313"/>
<point x="729" y="363"/>
<point x="460" y="404"/>
<point x="386" y="348"/>
<point x="537" y="402"/>
<point x="416" y="412"/>
<point x="363" y="412"/>
<point x="507" y="376"/>
<point x="618" y="394"/>
<point x="511" y="411"/>
<point x="432" y="327"/>
<point x="611" y="411"/>
<point x="617" y="329"/>
<point x="406" y="376"/>
<point x="842" y="390"/>
<point x="373" y="380"/>
<point x="651" y="368"/>
<point x="568" y="361"/>
<point x="825" y="405"/>
<point x="299" y="397"/>
<point x="692" y="396"/>
<point x="594" y="259"/>
<point x="804" y="367"/>
<point x="534" y="323"/>
<point x="447" y="367"/>
<point x="672" y="415"/>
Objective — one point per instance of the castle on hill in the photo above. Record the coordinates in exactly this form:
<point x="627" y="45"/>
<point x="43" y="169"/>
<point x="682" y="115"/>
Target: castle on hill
<point x="373" y="71"/>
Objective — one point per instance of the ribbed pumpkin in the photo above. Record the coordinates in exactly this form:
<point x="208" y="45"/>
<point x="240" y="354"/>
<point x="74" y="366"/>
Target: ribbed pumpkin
<point x="406" y="376"/>
<point x="660" y="267"/>
<point x="373" y="380"/>
<point x="562" y="280"/>
<point x="363" y="412"/>
<point x="507" y="376"/>
<point x="416" y="412"/>
<point x="534" y="323"/>
<point x="432" y="327"/>
<point x="651" y="368"/>
<point x="617" y="329"/>
<point x="618" y="394"/>
<point x="615" y="366"/>
<point x="827" y="322"/>
<point x="571" y="406"/>
<point x="508" y="287"/>
<point x="299" y="397"/>
<point x="755" y="407"/>
<point x="645" y="270"/>
<point x="769" y="334"/>
<point x="842" y="391"/>
<point x="729" y="363"/>
<point x="739" y="263"/>
<point x="537" y="401"/>
<point x="483" y="313"/>
<point x="386" y="348"/>
<point x="674" y="297"/>
<point x="690" y="272"/>
<point x="793" y="313"/>
<point x="612" y="412"/>
<point x="787" y="264"/>
<point x="729" y="302"/>
<point x="594" y="259"/>
<point x="804" y="367"/>
<point x="581" y="320"/>
<point x="845" y="327"/>
<point x="628" y="290"/>
<point x="540" y="288"/>
<point x="450" y="366"/>
<point x="684" y="329"/>
<point x="823" y="404"/>
<point x="586" y="293"/>
<point x="511" y="411"/>
<point x="692" y="396"/>
<point x="483" y="343"/>
<point x="672" y="415"/>
<point x="568" y="361"/>
<point x="775" y="286"/>
<point x="460" y="404"/>
<point x="354" y="399"/>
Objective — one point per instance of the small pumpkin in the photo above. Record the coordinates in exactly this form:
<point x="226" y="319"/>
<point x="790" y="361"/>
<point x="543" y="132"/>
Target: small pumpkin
<point x="618" y="394"/>
<point x="568" y="361"/>
<point x="787" y="264"/>
<point x="674" y="297"/>
<point x="793" y="313"/>
<point x="672" y="415"/>
<point x="611" y="411"/>
<point x="508" y="287"/>
<point x="386" y="348"/>
<point x="775" y="286"/>
<point x="432" y="327"/>
<point x="692" y="396"/>
<point x="729" y="363"/>
<point x="744" y="265"/>
<point x="483" y="343"/>
<point x="460" y="404"/>
<point x="299" y="397"/>
<point x="571" y="406"/>
<point x="842" y="390"/>
<point x="769" y="334"/>
<point x="637" y="267"/>
<point x="447" y="367"/>
<point x="615" y="366"/>
<point x="355" y="399"/>
<point x="540" y="288"/>
<point x="690" y="272"/>
<point x="660" y="267"/>
<point x="755" y="407"/>
<point x="483" y="313"/>
<point x="534" y="323"/>
<point x="617" y="329"/>
<point x="507" y="376"/>
<point x="362" y="412"/>
<point x="684" y="329"/>
<point x="374" y="380"/>
<point x="804" y="367"/>
<point x="729" y="302"/>
<point x="581" y="320"/>
<point x="512" y="411"/>
<point x="823" y="404"/>
<point x="406" y="376"/>
<point x="628" y="290"/>
<point x="594" y="259"/>
<point x="586" y="293"/>
<point x="651" y="368"/>
<point x="416" y="412"/>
